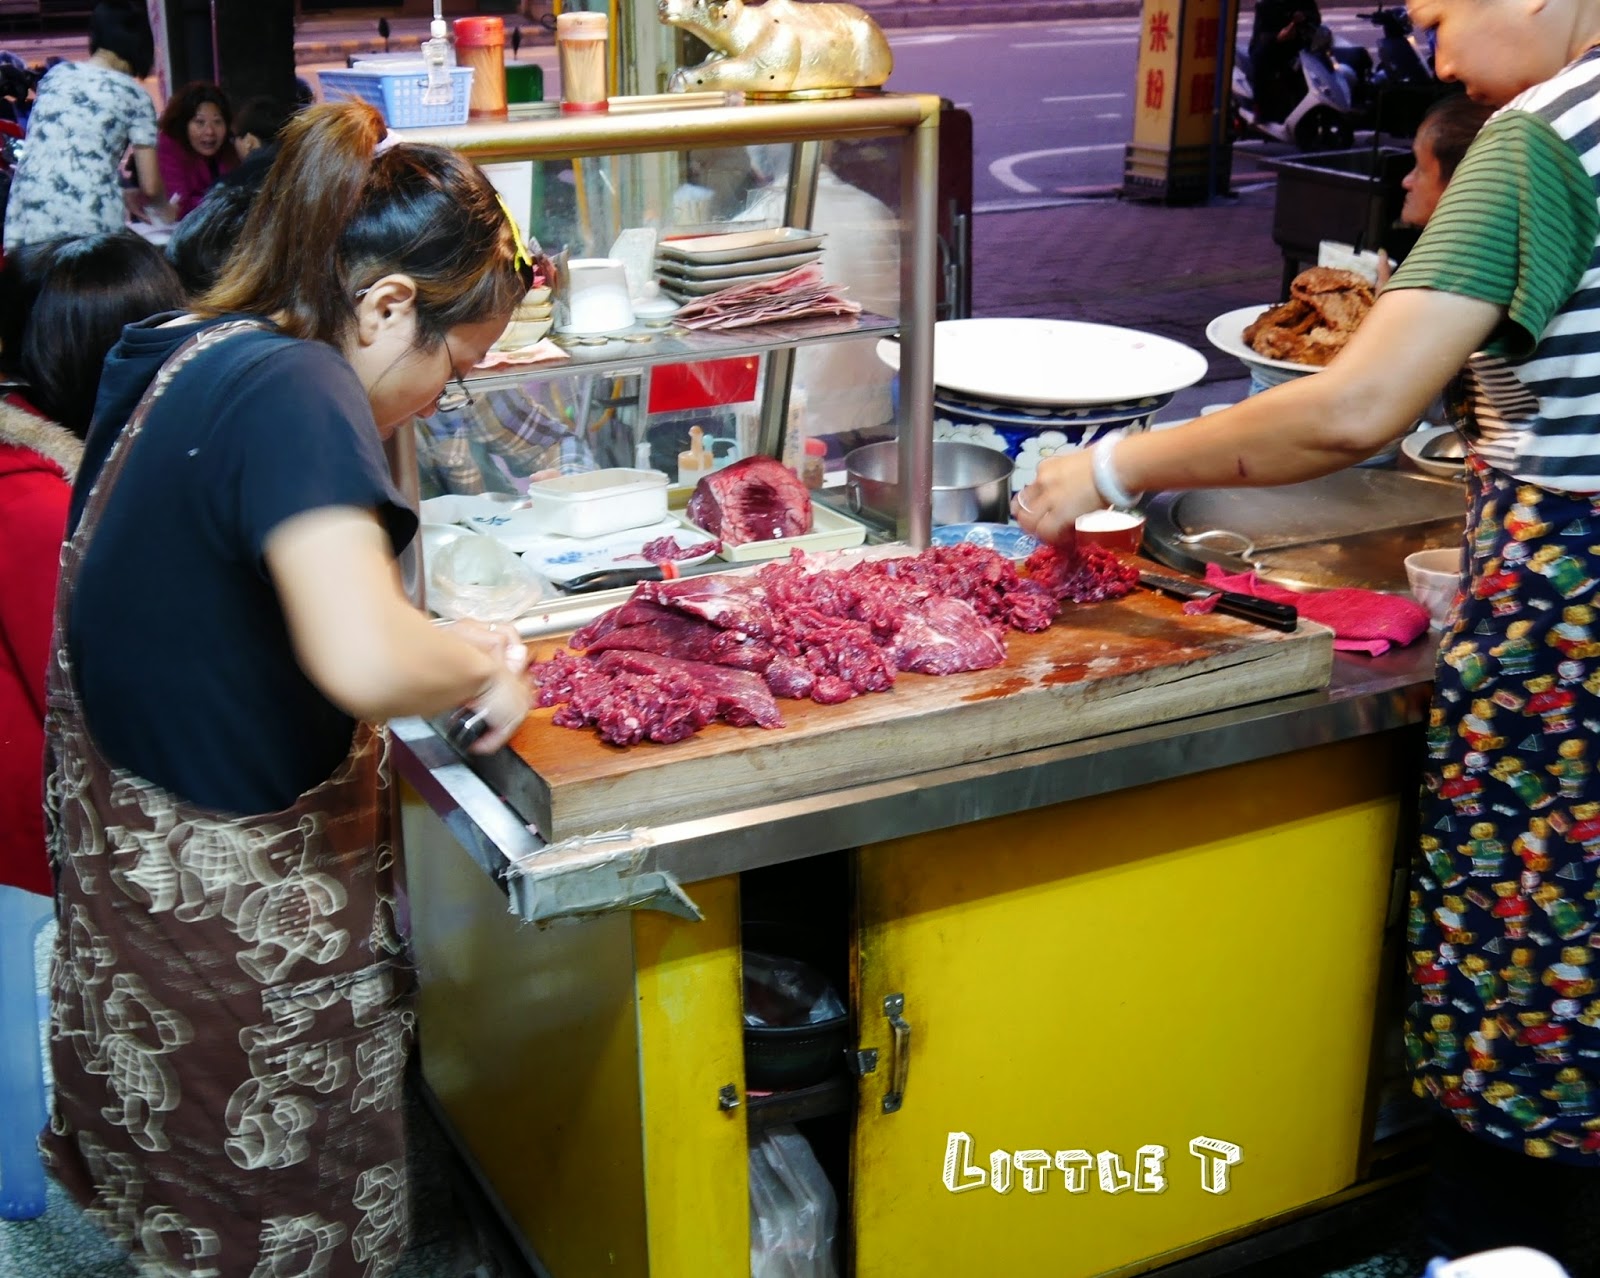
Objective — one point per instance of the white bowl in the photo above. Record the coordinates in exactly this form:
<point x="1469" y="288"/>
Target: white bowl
<point x="1435" y="579"/>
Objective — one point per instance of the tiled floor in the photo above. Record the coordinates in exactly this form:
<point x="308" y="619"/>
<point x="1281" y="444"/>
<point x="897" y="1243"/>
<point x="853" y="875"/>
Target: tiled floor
<point x="62" y="1244"/>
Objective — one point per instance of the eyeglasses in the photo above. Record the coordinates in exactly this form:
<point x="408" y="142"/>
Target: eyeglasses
<point x="450" y="399"/>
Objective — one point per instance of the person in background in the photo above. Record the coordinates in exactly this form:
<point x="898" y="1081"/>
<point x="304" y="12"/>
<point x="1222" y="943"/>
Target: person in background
<point x="230" y="628"/>
<point x="200" y="244"/>
<point x="1439" y="147"/>
<point x="256" y="126"/>
<point x="62" y="307"/>
<point x="1279" y="31"/>
<point x="86" y="116"/>
<point x="1502" y="1036"/>
<point x="196" y="144"/>
<point x="500" y="441"/>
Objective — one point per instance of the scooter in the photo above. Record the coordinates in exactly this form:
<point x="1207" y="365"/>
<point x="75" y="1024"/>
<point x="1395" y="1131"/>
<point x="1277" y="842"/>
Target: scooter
<point x="1404" y="85"/>
<point x="1331" y="106"/>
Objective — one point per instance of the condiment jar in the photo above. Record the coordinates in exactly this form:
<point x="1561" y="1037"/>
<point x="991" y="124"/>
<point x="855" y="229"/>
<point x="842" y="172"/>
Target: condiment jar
<point x="481" y="45"/>
<point x="814" y="466"/>
<point x="581" y="42"/>
<point x="697" y="462"/>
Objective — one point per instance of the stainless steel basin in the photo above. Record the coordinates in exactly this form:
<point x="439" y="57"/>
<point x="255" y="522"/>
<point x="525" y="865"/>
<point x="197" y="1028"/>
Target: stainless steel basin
<point x="1351" y="528"/>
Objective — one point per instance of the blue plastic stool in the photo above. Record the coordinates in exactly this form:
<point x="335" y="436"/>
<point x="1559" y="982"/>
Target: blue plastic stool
<point x="22" y="1103"/>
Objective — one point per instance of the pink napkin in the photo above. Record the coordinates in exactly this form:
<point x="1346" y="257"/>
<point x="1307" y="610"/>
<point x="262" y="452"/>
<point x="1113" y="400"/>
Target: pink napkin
<point x="1361" y="620"/>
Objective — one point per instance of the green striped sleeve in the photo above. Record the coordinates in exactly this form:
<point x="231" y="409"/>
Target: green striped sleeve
<point x="1517" y="226"/>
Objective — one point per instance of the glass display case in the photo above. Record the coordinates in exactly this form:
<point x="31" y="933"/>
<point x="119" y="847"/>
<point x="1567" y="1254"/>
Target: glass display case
<point x="861" y="172"/>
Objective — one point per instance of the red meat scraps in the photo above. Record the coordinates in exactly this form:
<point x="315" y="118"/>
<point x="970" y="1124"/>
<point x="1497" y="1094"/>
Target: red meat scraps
<point x="1087" y="574"/>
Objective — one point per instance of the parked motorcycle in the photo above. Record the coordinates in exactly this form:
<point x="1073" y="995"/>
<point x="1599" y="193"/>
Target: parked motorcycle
<point x="1404" y="85"/>
<point x="1328" y="90"/>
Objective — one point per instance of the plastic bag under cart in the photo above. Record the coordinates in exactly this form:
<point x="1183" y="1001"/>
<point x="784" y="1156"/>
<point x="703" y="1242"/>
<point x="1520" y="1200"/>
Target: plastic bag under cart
<point x="794" y="1216"/>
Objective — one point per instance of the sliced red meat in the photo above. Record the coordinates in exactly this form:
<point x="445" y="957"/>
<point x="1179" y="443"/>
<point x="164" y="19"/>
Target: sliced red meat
<point x="755" y="499"/>
<point x="1086" y="574"/>
<point x="741" y="697"/>
<point x="946" y="636"/>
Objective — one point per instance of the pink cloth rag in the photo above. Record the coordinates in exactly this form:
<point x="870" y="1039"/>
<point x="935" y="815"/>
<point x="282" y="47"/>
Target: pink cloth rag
<point x="1361" y="620"/>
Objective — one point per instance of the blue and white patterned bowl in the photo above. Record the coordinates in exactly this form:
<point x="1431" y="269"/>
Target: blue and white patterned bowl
<point x="1028" y="435"/>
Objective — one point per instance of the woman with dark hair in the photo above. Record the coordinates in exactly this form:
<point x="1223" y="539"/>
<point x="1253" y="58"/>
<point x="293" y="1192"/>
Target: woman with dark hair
<point x="196" y="144"/>
<point x="86" y="115"/>
<point x="62" y="307"/>
<point x="230" y="628"/>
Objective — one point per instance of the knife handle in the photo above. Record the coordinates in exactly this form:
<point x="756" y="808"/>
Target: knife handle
<point x="611" y="579"/>
<point x="1264" y="612"/>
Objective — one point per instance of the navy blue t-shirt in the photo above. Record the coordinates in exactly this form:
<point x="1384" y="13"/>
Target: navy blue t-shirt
<point x="183" y="657"/>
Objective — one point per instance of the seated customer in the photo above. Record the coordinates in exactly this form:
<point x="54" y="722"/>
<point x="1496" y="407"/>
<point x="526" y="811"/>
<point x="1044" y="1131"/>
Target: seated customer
<point x="257" y="124"/>
<point x="196" y="144"/>
<point x="63" y="305"/>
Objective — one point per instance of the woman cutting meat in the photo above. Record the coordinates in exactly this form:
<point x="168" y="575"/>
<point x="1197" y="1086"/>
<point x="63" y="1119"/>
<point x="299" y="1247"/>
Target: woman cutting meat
<point x="1503" y="1026"/>
<point x="230" y="997"/>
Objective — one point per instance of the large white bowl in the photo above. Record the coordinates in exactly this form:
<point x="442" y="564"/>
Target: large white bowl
<point x="1054" y="362"/>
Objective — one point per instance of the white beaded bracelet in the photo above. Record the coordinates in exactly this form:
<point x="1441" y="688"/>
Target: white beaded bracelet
<point x="1104" y="471"/>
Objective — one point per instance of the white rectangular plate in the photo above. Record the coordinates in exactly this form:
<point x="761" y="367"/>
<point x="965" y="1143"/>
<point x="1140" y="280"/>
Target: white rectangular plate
<point x="688" y="290"/>
<point x="740" y="246"/>
<point x="685" y="271"/>
<point x="829" y="531"/>
<point x="563" y="558"/>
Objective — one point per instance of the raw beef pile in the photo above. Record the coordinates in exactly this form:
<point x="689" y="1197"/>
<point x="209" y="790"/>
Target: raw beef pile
<point x="680" y="654"/>
<point x="756" y="499"/>
<point x="795" y="294"/>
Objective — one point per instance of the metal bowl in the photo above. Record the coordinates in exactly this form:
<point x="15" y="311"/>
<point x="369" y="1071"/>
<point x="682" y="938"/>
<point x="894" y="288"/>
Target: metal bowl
<point x="971" y="483"/>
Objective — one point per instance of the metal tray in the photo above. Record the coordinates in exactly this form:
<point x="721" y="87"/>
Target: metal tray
<point x="1351" y="528"/>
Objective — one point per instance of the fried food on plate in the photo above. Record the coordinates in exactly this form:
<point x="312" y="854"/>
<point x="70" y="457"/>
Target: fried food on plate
<point x="1325" y="306"/>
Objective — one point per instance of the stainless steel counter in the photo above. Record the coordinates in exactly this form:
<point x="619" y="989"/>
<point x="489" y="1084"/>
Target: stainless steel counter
<point x="649" y="868"/>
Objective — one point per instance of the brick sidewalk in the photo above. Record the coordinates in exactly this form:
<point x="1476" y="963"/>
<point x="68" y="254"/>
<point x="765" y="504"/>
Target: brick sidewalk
<point x="1110" y="261"/>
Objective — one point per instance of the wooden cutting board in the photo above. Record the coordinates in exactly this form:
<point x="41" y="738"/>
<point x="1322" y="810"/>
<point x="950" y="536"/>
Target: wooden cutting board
<point x="1101" y="668"/>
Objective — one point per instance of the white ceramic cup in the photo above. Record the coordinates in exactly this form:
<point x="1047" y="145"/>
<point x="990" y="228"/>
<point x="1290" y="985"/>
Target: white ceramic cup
<point x="597" y="296"/>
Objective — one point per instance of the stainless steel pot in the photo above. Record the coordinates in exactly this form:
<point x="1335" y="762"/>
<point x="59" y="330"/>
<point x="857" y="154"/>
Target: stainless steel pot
<point x="971" y="483"/>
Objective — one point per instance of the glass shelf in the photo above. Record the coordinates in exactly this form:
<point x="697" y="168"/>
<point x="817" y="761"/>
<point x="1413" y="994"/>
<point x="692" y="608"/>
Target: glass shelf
<point x="672" y="345"/>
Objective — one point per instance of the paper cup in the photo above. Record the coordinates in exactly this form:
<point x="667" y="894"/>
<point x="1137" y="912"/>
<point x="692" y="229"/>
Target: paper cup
<point x="1119" y="531"/>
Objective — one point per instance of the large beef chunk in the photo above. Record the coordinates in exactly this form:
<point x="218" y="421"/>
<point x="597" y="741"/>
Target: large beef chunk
<point x="756" y="499"/>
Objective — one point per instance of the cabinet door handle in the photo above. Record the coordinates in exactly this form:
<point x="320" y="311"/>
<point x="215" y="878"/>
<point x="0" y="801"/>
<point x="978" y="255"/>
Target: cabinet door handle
<point x="899" y="1052"/>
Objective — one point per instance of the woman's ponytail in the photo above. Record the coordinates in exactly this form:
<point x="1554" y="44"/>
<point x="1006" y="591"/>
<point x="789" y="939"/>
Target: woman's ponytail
<point x="334" y="216"/>
<point x="287" y="262"/>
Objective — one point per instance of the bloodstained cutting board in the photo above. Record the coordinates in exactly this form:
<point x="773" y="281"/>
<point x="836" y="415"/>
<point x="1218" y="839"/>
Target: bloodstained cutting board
<point x="1101" y="668"/>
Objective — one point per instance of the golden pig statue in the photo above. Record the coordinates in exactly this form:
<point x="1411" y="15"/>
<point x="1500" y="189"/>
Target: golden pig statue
<point x="782" y="47"/>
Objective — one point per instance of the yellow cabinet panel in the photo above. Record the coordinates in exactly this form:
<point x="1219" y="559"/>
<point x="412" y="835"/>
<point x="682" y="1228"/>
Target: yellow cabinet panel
<point x="1198" y="959"/>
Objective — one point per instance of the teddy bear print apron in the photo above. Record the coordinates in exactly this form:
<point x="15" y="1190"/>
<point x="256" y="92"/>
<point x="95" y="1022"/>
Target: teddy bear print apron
<point x="1503" y="1026"/>
<point x="230" y="1009"/>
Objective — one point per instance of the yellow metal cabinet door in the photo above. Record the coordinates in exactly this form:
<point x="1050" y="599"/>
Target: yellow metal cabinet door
<point x="1090" y="989"/>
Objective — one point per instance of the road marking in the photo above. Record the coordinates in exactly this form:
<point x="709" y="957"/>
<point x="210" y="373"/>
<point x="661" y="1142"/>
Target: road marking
<point x="1003" y="169"/>
<point x="1085" y="97"/>
<point x="924" y="38"/>
<point x="1073" y="44"/>
<point x="1108" y="115"/>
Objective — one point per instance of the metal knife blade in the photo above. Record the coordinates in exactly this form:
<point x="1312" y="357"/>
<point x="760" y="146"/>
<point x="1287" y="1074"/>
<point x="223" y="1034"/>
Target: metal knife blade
<point x="1263" y="612"/>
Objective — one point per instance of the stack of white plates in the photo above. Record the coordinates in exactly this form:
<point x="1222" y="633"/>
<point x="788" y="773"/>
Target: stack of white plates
<point x="707" y="264"/>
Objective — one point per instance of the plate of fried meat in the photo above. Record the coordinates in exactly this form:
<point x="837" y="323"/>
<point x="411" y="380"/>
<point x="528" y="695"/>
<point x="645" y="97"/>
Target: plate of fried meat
<point x="1301" y="335"/>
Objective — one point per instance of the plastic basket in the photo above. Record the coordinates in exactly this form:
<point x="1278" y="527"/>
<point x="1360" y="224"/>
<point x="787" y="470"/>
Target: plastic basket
<point x="398" y="93"/>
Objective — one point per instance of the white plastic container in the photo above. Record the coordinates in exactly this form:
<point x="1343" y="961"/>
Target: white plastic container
<point x="598" y="502"/>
